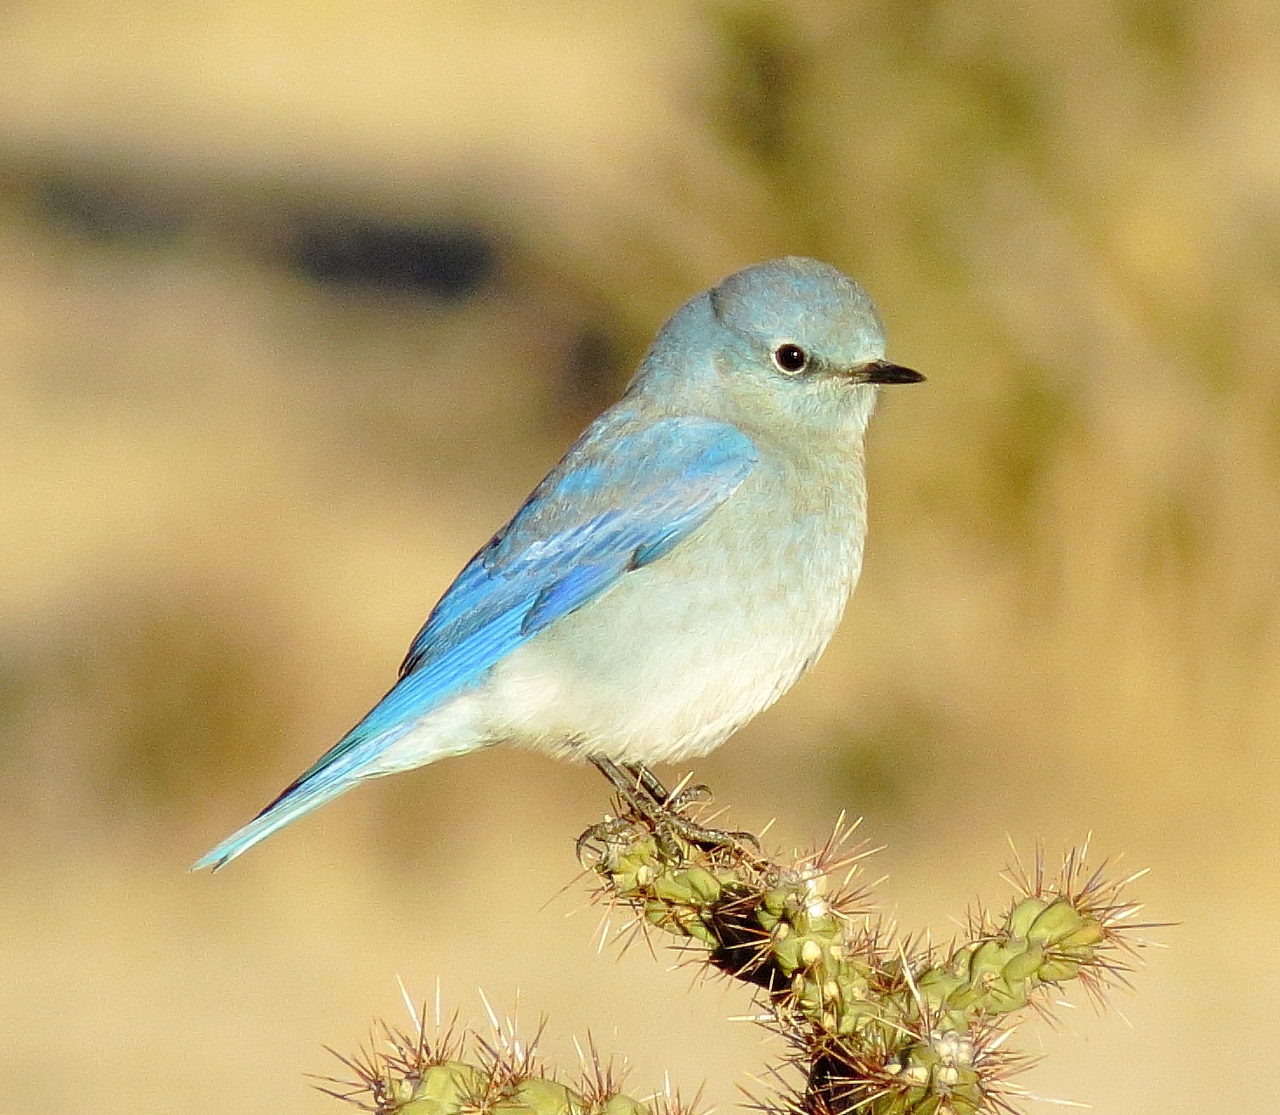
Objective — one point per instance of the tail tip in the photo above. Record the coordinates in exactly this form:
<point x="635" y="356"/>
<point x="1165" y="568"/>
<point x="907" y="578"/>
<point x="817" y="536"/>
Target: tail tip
<point x="213" y="861"/>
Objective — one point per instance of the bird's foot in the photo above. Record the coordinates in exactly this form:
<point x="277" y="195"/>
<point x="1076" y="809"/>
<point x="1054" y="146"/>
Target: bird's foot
<point x="606" y="834"/>
<point x="684" y="796"/>
<point x="670" y="827"/>
<point x="662" y="811"/>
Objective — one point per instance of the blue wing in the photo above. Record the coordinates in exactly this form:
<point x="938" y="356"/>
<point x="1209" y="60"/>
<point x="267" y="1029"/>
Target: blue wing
<point x="622" y="497"/>
<point x="616" y="502"/>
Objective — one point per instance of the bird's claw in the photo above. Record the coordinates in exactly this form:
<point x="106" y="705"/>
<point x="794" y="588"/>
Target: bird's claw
<point x="610" y="831"/>
<point x="681" y="798"/>
<point x="649" y="803"/>
<point x="670" y="831"/>
<point x="670" y="826"/>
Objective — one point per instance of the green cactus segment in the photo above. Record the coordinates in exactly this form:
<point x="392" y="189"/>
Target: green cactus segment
<point x="621" y="1105"/>
<point x="940" y="1075"/>
<point x="443" y="1089"/>
<point x="412" y="1075"/>
<point x="539" y="1096"/>
<point x="1043" y="940"/>
<point x="453" y="1088"/>
<point x="943" y="1074"/>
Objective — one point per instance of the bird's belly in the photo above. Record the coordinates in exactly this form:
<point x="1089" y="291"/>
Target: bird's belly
<point x="680" y="654"/>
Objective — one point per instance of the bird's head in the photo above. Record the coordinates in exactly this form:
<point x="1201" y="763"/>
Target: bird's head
<point x="800" y="328"/>
<point x="787" y="345"/>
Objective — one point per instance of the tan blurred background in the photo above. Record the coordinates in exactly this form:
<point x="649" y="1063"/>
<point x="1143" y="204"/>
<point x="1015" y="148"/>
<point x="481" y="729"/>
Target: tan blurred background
<point x="297" y="302"/>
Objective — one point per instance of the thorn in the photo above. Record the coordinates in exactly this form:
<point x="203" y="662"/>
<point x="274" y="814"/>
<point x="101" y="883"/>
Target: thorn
<point x="408" y="1005"/>
<point x="493" y="1018"/>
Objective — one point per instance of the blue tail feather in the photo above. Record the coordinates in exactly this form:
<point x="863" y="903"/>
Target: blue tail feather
<point x="341" y="768"/>
<point x="287" y="808"/>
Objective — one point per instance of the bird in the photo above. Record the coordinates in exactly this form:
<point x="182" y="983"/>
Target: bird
<point x="680" y="568"/>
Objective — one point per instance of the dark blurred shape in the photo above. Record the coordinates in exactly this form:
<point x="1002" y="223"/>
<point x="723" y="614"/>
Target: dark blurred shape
<point x="1173" y="536"/>
<point x="593" y="372"/>
<point x="19" y="683"/>
<point x="1009" y="107"/>
<point x="1036" y="415"/>
<point x="766" y="67"/>
<point x="447" y="261"/>
<point x="1166" y="28"/>
<point x="101" y="208"/>
<point x="188" y="697"/>
<point x="155" y="701"/>
<point x="887" y="770"/>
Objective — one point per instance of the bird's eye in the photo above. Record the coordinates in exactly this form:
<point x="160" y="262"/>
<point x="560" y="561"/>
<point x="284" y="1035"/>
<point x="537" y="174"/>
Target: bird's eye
<point x="790" y="358"/>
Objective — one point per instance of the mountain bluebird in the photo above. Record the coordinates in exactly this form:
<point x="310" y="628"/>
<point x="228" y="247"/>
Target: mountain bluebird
<point x="682" y="566"/>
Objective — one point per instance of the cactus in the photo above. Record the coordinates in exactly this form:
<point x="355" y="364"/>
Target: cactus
<point x="877" y="1024"/>
<point x="462" y="1073"/>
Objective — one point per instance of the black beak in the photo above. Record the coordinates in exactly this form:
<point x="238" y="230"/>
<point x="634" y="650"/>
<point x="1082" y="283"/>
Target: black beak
<point x="881" y="371"/>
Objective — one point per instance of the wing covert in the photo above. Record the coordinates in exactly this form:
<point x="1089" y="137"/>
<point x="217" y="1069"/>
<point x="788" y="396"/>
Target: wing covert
<point x="619" y="500"/>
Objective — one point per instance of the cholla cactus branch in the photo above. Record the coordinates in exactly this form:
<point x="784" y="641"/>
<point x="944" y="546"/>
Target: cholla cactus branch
<point x="463" y="1073"/>
<point x="877" y="1025"/>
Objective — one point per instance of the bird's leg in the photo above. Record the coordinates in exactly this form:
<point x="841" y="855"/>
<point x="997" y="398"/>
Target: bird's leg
<point x="643" y="777"/>
<point x="628" y="785"/>
<point x="633" y="787"/>
<point x="673" y="800"/>
<point x="640" y="789"/>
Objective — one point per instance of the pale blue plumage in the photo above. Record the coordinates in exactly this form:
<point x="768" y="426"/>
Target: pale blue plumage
<point x="558" y="615"/>
<point x="616" y="502"/>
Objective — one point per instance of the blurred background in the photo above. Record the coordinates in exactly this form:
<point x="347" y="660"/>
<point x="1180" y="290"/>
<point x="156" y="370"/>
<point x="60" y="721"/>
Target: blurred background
<point x="297" y="301"/>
